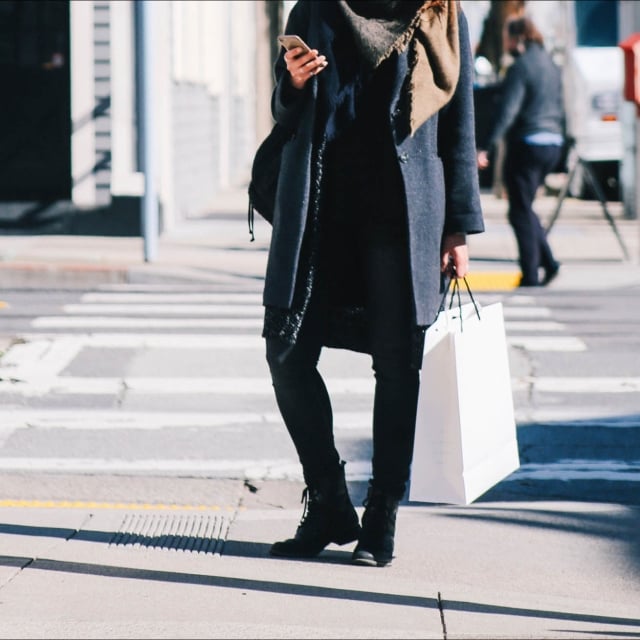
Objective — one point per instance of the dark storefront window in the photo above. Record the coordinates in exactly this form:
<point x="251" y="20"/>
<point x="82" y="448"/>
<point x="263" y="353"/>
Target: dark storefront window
<point x="35" y="111"/>
<point x="596" y="23"/>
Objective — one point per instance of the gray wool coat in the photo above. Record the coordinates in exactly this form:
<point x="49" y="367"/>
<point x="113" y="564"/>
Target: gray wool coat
<point x="437" y="163"/>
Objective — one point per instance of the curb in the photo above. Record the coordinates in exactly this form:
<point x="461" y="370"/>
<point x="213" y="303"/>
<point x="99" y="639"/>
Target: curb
<point x="34" y="275"/>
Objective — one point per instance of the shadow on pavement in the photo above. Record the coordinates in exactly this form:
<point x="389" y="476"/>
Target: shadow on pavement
<point x="269" y="586"/>
<point x="290" y="589"/>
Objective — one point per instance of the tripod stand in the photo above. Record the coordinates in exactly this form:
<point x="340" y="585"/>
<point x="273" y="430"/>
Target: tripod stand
<point x="574" y="162"/>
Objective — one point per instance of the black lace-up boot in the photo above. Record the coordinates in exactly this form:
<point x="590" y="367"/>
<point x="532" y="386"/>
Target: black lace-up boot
<point x="375" y="546"/>
<point x="328" y="517"/>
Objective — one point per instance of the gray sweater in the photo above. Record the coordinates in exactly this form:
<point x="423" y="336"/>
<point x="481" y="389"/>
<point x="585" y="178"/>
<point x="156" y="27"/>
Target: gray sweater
<point x="531" y="98"/>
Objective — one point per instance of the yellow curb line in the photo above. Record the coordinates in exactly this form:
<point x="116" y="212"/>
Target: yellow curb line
<point x="88" y="504"/>
<point x="493" y="280"/>
<point x="4" y="305"/>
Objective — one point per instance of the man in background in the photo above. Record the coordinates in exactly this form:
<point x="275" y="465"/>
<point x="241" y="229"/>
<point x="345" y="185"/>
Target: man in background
<point x="531" y="118"/>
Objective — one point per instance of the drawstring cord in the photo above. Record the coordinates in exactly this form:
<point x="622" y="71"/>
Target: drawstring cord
<point x="250" y="216"/>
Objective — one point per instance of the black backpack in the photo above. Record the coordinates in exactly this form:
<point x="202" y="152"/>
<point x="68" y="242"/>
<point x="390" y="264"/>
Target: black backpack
<point x="264" y="175"/>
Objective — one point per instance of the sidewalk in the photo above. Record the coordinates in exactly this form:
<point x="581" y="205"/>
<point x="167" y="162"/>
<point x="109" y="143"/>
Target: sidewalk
<point x="144" y="569"/>
<point x="154" y="557"/>
<point x="217" y="249"/>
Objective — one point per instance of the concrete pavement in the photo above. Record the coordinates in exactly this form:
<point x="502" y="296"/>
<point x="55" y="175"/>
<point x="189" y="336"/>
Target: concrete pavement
<point x="217" y="249"/>
<point x="150" y="557"/>
<point x="489" y="570"/>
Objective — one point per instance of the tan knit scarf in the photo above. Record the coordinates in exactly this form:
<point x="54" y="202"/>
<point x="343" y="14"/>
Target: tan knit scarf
<point x="431" y="36"/>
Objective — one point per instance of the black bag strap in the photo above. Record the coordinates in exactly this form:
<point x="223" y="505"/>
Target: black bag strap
<point x="455" y="295"/>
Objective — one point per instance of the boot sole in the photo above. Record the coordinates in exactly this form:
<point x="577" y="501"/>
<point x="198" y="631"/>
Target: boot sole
<point x="366" y="559"/>
<point x="283" y="553"/>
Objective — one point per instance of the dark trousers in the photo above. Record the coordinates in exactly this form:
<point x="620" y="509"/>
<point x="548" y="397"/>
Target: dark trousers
<point x="380" y="251"/>
<point x="525" y="168"/>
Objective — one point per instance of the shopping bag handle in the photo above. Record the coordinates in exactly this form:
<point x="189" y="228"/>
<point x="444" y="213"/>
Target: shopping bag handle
<point x="455" y="294"/>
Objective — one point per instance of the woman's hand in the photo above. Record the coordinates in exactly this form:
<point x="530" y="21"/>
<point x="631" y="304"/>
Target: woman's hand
<point x="302" y="66"/>
<point x="455" y="255"/>
<point x="482" y="158"/>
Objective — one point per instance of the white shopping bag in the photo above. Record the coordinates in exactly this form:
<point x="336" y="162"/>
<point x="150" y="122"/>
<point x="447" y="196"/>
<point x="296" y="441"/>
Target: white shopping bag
<point x="465" y="439"/>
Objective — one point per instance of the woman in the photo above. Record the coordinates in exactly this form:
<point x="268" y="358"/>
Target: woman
<point x="376" y="193"/>
<point x="531" y="115"/>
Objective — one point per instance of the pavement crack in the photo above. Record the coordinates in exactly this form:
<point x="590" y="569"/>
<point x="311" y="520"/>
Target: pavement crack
<point x="122" y="393"/>
<point x="442" y="621"/>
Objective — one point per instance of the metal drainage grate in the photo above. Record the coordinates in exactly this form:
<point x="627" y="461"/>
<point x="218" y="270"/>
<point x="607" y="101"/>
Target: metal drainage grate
<point x="197" y="533"/>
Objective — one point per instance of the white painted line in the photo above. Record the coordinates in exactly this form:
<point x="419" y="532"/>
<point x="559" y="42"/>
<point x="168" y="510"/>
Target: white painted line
<point x="255" y="341"/>
<point x="240" y="310"/>
<point x="171" y="288"/>
<point x="533" y="325"/>
<point x="565" y="470"/>
<point x="547" y="343"/>
<point x="99" y="420"/>
<point x="96" y="420"/>
<point x="169" y="386"/>
<point x="526" y="312"/>
<point x="172" y="298"/>
<point x="57" y="357"/>
<point x="40" y="358"/>
<point x="52" y="385"/>
<point x="68" y="322"/>
<point x="24" y="354"/>
<point x="576" y="385"/>
<point x="160" y="340"/>
<point x="237" y="386"/>
<point x="586" y="385"/>
<point x="517" y="300"/>
<point x="575" y="416"/>
<point x="177" y="341"/>
<point x="39" y="385"/>
<point x="283" y="468"/>
<point x="272" y="469"/>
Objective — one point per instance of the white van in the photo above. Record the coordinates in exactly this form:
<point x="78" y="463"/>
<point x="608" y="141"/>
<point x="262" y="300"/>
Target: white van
<point x="593" y="69"/>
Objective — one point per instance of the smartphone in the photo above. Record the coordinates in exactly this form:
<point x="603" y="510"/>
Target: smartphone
<point x="291" y="42"/>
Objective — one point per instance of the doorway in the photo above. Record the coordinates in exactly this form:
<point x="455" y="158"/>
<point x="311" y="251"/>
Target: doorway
<point x="35" y="112"/>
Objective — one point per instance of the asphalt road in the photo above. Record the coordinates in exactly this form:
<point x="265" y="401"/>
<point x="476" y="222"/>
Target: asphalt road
<point x="161" y="382"/>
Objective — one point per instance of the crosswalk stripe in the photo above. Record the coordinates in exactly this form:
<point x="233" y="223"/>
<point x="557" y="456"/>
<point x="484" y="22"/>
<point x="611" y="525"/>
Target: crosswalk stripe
<point x="586" y="385"/>
<point x="525" y="312"/>
<point x="90" y="419"/>
<point x="172" y="298"/>
<point x="68" y="322"/>
<point x="101" y="420"/>
<point x="547" y="343"/>
<point x="254" y="341"/>
<point x="536" y="326"/>
<point x="98" y="420"/>
<point x="576" y="469"/>
<point x="260" y="468"/>
<point x="182" y="287"/>
<point x="289" y="468"/>
<point x="168" y="386"/>
<point x="35" y="385"/>
<point x="231" y="341"/>
<point x="238" y="310"/>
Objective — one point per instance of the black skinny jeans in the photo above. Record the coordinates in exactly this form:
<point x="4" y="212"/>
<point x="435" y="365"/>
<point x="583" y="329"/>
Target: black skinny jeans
<point x="380" y="250"/>
<point x="525" y="169"/>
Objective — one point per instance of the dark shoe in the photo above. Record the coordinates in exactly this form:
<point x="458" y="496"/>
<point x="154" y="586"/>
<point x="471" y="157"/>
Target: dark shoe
<point x="528" y="283"/>
<point x="328" y="517"/>
<point x="550" y="274"/>
<point x="375" y="547"/>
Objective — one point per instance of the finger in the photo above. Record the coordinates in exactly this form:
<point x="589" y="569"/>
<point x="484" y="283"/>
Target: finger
<point x="462" y="267"/>
<point x="320" y="64"/>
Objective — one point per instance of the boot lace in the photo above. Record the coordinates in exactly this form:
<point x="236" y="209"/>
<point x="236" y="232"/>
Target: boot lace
<point x="310" y="515"/>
